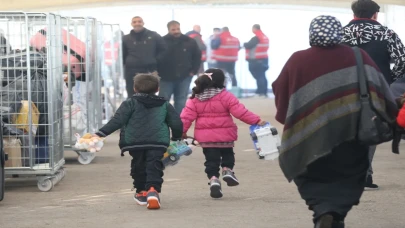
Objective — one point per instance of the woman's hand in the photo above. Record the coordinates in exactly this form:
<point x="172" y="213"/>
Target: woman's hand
<point x="261" y="123"/>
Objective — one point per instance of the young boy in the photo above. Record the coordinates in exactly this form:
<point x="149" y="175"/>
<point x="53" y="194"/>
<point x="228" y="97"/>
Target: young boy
<point x="144" y="120"/>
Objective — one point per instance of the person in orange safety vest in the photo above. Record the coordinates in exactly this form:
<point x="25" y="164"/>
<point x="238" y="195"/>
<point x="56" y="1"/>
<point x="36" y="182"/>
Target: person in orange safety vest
<point x="225" y="51"/>
<point x="258" y="59"/>
<point x="196" y="35"/>
<point x="111" y="54"/>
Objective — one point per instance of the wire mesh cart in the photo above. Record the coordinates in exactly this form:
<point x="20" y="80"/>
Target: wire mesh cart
<point x="112" y="70"/>
<point x="82" y="90"/>
<point x="31" y="96"/>
<point x="2" y="163"/>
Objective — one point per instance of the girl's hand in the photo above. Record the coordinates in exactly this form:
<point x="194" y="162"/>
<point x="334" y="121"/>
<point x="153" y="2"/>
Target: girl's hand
<point x="261" y="123"/>
<point x="184" y="136"/>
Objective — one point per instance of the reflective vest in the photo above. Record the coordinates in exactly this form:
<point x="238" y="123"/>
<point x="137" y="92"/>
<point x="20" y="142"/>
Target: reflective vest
<point x="260" y="51"/>
<point x="228" y="50"/>
<point x="109" y="59"/>
<point x="203" y="52"/>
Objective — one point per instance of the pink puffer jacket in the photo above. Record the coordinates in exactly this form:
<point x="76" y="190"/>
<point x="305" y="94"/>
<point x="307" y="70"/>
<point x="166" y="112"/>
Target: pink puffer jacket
<point x="212" y="113"/>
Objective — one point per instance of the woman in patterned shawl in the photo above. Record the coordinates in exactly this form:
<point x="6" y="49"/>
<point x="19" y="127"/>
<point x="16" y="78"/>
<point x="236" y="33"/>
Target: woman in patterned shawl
<point x="317" y="100"/>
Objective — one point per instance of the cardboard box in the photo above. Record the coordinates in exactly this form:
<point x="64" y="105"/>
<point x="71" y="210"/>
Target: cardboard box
<point x="12" y="147"/>
<point x="21" y="120"/>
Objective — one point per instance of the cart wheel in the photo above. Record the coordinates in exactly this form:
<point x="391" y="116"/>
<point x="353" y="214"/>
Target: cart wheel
<point x="253" y="136"/>
<point x="173" y="158"/>
<point x="261" y="157"/>
<point x="60" y="175"/>
<point x="45" y="185"/>
<point x="63" y="172"/>
<point x="84" y="159"/>
<point x="273" y="131"/>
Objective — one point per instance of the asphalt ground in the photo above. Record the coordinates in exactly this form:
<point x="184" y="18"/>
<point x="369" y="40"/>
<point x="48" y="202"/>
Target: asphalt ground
<point x="99" y="195"/>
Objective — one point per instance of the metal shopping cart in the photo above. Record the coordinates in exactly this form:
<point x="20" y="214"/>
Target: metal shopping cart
<point x="82" y="108"/>
<point x="2" y="163"/>
<point x="112" y="70"/>
<point x="31" y="96"/>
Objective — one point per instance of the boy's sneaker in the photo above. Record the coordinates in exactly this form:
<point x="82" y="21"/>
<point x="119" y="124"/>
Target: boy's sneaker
<point x="338" y="224"/>
<point x="370" y="185"/>
<point x="215" y="187"/>
<point x="152" y="198"/>
<point x="140" y="198"/>
<point x="325" y="221"/>
<point x="229" y="177"/>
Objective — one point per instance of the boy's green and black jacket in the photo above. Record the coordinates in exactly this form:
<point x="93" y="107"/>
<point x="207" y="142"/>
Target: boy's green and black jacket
<point x="144" y="121"/>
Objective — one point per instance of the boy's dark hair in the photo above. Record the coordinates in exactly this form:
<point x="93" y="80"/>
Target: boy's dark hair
<point x="216" y="29"/>
<point x="146" y="83"/>
<point x="172" y="23"/>
<point x="256" y="26"/>
<point x="204" y="82"/>
<point x="365" y="8"/>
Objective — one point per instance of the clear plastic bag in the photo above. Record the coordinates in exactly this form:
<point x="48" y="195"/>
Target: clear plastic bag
<point x="89" y="143"/>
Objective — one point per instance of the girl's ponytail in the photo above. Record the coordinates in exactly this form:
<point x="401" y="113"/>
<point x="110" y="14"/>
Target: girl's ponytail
<point x="202" y="83"/>
<point x="211" y="78"/>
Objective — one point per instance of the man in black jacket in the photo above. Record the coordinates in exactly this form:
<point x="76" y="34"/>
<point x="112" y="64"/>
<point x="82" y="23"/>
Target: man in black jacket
<point x="141" y="49"/>
<point x="381" y="43"/>
<point x="178" y="65"/>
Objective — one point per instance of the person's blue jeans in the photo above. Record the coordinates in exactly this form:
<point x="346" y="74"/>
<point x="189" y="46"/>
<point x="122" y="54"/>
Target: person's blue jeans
<point x="258" y="70"/>
<point x="179" y="89"/>
<point x="212" y="64"/>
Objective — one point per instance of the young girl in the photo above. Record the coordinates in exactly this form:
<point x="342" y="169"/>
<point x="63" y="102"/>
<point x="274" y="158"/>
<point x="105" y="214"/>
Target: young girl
<point x="211" y="106"/>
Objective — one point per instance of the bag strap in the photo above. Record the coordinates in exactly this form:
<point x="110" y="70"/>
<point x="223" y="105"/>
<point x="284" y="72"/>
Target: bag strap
<point x="364" y="95"/>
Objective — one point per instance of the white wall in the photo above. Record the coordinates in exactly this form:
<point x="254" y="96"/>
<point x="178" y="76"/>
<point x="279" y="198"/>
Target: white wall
<point x="287" y="28"/>
<point x="395" y="19"/>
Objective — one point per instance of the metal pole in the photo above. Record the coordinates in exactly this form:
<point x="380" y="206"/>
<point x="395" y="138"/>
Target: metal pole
<point x="69" y="71"/>
<point x="30" y="143"/>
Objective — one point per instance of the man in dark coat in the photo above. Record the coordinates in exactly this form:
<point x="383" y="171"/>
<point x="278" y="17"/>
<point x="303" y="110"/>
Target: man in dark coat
<point x="178" y="65"/>
<point x="381" y="44"/>
<point x="141" y="49"/>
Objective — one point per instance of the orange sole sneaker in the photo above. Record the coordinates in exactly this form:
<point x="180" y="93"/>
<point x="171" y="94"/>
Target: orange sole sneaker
<point x="153" y="203"/>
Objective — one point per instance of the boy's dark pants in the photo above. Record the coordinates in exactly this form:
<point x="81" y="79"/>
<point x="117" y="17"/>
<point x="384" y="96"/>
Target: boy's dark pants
<point x="216" y="157"/>
<point x="147" y="169"/>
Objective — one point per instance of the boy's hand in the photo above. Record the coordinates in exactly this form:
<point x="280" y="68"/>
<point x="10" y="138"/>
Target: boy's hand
<point x="261" y="123"/>
<point x="184" y="136"/>
<point x="94" y="135"/>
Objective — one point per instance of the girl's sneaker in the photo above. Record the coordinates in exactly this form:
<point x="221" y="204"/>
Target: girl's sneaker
<point x="215" y="187"/>
<point x="152" y="198"/>
<point x="229" y="177"/>
<point x="140" y="198"/>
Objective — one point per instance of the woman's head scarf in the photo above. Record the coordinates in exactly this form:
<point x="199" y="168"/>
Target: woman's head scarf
<point x="325" y="31"/>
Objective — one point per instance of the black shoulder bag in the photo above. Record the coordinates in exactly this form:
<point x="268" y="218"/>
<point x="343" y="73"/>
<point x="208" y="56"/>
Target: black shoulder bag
<point x="373" y="129"/>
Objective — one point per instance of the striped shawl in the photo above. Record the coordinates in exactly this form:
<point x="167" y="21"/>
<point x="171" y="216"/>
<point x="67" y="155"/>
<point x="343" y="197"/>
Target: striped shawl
<point x="317" y="100"/>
